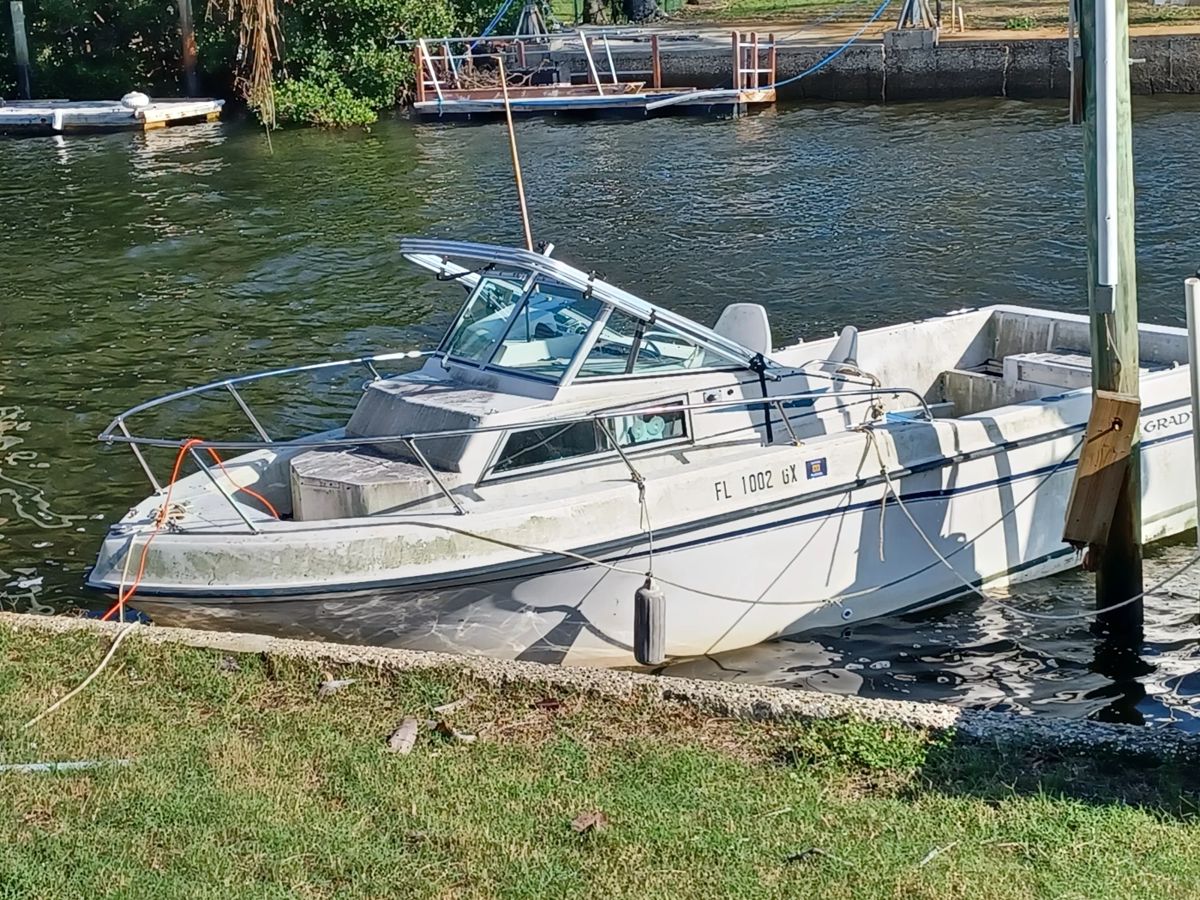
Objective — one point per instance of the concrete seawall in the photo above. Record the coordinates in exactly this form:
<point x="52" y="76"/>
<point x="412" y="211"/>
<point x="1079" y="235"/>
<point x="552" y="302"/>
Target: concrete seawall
<point x="1028" y="69"/>
<point x="1047" y="733"/>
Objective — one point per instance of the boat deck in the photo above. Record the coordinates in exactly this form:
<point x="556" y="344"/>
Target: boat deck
<point x="58" y="116"/>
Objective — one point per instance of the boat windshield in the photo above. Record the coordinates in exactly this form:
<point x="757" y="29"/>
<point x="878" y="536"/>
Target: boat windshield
<point x="547" y="331"/>
<point x="538" y="334"/>
<point x="631" y="346"/>
<point x="538" y="326"/>
<point x="479" y="326"/>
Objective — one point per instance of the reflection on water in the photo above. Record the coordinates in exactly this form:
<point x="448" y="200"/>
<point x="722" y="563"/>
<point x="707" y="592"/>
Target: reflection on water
<point x="980" y="655"/>
<point x="137" y="263"/>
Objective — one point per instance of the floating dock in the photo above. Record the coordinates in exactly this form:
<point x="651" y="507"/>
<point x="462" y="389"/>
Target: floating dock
<point x="59" y="116"/>
<point x="541" y="77"/>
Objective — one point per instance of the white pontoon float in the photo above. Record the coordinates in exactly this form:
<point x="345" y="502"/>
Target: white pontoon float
<point x="63" y="116"/>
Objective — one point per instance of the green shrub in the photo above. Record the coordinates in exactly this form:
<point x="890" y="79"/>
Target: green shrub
<point x="342" y="62"/>
<point x="1021" y="23"/>
<point x="324" y="103"/>
<point x="94" y="49"/>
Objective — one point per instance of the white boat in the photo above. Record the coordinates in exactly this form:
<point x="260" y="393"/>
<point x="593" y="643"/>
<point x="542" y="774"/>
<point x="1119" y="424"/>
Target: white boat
<point x="566" y="437"/>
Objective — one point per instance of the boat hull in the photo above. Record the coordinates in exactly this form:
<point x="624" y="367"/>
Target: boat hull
<point x="834" y="559"/>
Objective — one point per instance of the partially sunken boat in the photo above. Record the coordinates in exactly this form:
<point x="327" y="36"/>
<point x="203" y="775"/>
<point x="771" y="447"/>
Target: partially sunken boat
<point x="566" y="437"/>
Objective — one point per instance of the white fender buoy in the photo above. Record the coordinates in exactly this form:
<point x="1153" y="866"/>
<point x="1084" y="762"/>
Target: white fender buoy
<point x="135" y="100"/>
<point x="650" y="624"/>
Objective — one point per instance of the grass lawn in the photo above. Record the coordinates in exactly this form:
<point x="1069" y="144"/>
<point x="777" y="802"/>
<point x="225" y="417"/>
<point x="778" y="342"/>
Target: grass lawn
<point x="1009" y="15"/>
<point x="244" y="782"/>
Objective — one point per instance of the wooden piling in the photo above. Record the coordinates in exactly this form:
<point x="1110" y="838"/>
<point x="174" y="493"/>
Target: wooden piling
<point x="419" y="73"/>
<point x="737" y="61"/>
<point x="1114" y="324"/>
<point x="187" y="34"/>
<point x="655" y="63"/>
<point x="753" y="54"/>
<point x="21" y="47"/>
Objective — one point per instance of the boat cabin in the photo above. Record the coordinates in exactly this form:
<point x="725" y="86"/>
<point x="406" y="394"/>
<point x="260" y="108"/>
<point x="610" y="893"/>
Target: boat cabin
<point x="536" y="343"/>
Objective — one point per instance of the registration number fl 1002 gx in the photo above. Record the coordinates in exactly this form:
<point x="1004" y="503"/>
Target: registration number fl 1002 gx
<point x="755" y="482"/>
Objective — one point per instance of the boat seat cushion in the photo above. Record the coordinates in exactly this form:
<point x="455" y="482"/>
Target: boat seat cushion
<point x="349" y="482"/>
<point x="523" y="354"/>
<point x="845" y="351"/>
<point x="747" y="324"/>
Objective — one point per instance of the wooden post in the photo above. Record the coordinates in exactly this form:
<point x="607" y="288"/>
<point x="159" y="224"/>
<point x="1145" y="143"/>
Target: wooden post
<point x="737" y="61"/>
<point x="771" y="59"/>
<point x="419" y="73"/>
<point x="1112" y="289"/>
<point x="187" y="33"/>
<point x="655" y="63"/>
<point x="21" y="46"/>
<point x="753" y="54"/>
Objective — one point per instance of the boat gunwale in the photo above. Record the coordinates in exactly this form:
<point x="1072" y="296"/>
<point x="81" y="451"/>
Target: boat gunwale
<point x="617" y="549"/>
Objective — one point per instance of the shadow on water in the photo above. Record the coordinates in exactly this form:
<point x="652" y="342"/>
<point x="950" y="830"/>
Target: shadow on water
<point x="977" y="654"/>
<point x="174" y="258"/>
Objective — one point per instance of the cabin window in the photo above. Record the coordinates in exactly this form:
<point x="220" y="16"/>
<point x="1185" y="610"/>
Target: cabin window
<point x="547" y="330"/>
<point x="482" y="320"/>
<point x="630" y="346"/>
<point x="558" y="443"/>
<point x="636" y="430"/>
<point x="553" y="443"/>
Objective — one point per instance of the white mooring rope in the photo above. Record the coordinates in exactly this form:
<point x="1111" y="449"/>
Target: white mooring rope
<point x="975" y="588"/>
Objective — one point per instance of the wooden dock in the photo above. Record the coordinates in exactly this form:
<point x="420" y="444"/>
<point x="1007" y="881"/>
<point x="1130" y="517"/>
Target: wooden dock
<point x="61" y="116"/>
<point x="466" y="84"/>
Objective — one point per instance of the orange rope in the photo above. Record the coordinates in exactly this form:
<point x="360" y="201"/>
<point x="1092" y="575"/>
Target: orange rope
<point x="159" y="521"/>
<point x="244" y="490"/>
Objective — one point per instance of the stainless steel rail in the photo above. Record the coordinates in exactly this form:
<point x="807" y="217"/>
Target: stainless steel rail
<point x="118" y="431"/>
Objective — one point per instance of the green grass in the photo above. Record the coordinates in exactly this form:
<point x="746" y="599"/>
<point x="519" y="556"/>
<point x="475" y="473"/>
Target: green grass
<point x="988" y="14"/>
<point x="1021" y="23"/>
<point x="781" y="10"/>
<point x="246" y="783"/>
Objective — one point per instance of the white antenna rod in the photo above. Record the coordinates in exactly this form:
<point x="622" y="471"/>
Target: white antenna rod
<point x="1108" y="269"/>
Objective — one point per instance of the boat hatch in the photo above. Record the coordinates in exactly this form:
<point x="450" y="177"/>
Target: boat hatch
<point x="536" y="316"/>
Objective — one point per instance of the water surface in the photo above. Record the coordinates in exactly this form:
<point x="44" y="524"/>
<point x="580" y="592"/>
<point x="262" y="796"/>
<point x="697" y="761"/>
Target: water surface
<point x="134" y="264"/>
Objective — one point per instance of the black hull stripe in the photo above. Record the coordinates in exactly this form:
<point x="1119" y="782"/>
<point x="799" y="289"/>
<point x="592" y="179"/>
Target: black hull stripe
<point x="617" y="551"/>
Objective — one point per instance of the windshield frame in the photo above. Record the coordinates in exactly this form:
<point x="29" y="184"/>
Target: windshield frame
<point x="568" y="374"/>
<point x="445" y="344"/>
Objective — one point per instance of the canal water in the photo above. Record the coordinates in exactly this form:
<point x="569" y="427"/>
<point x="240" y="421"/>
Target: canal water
<point x="133" y="264"/>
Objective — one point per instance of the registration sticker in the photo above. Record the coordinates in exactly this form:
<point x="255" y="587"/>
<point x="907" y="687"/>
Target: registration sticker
<point x="815" y="468"/>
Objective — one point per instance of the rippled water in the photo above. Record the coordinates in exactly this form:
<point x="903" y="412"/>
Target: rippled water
<point x="137" y="263"/>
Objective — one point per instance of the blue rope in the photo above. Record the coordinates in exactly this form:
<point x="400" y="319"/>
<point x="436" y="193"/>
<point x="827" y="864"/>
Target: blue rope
<point x="840" y="50"/>
<point x="496" y="21"/>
